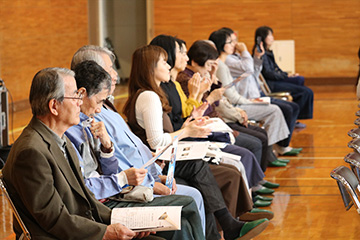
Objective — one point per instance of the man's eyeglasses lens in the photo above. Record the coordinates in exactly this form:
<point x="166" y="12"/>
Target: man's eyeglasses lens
<point x="78" y="96"/>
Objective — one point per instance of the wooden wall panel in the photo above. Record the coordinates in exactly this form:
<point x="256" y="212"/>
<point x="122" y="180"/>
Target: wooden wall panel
<point x="180" y="24"/>
<point x="326" y="32"/>
<point x="36" y="34"/>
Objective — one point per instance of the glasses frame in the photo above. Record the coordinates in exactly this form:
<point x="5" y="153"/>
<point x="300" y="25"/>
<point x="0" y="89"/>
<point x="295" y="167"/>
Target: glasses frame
<point x="79" y="95"/>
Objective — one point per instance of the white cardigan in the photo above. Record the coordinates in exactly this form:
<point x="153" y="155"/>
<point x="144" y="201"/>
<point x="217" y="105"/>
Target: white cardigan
<point x="149" y="115"/>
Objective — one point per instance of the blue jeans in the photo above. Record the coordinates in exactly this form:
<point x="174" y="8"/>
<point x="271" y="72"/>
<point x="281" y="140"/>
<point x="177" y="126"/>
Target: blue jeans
<point x="299" y="80"/>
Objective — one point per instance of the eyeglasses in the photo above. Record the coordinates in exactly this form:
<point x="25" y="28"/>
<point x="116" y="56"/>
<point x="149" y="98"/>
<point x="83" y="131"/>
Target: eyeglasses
<point x="78" y="95"/>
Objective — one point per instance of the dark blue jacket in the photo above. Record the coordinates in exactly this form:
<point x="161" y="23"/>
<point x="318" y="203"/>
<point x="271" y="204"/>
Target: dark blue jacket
<point x="271" y="70"/>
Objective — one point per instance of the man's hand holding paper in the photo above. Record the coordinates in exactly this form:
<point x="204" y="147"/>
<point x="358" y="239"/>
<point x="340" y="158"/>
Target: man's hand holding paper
<point x="135" y="176"/>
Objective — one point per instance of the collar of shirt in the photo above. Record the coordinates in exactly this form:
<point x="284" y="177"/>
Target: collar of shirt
<point x="60" y="141"/>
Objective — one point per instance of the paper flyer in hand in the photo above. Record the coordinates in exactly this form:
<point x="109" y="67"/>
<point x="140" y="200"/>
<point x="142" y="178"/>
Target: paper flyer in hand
<point x="187" y="151"/>
<point x="159" y="153"/>
<point x="218" y="125"/>
<point x="141" y="219"/>
<point x="241" y="77"/>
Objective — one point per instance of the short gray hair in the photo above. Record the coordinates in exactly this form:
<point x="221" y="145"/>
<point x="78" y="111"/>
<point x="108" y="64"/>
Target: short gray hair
<point x="91" y="52"/>
<point x="47" y="84"/>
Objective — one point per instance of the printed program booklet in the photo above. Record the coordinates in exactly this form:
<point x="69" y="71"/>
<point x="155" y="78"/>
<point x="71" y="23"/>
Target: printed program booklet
<point x="141" y="219"/>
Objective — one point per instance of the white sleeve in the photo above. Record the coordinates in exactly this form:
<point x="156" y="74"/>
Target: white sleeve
<point x="122" y="179"/>
<point x="149" y="115"/>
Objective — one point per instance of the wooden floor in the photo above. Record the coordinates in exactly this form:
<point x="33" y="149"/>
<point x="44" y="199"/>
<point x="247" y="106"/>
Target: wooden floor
<point x="308" y="204"/>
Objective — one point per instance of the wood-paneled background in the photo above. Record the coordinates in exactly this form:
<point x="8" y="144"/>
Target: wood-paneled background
<point x="41" y="33"/>
<point x="35" y="34"/>
<point x="326" y="32"/>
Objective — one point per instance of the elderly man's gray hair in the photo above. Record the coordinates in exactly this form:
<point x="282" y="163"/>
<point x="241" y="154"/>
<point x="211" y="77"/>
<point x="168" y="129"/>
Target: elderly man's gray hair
<point x="47" y="84"/>
<point x="91" y="52"/>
